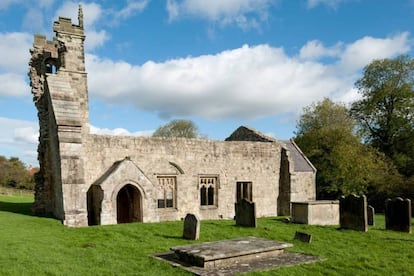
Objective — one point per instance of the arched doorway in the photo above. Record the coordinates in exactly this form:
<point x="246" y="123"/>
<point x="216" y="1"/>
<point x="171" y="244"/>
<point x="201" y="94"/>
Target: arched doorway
<point x="94" y="204"/>
<point x="128" y="205"/>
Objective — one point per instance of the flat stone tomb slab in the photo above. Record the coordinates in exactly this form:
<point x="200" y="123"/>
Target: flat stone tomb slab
<point x="227" y="252"/>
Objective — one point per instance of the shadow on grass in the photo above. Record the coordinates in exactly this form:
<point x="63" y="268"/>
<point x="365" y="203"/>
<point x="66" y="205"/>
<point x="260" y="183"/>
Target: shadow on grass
<point x="170" y="237"/>
<point x="403" y="240"/>
<point x="18" y="208"/>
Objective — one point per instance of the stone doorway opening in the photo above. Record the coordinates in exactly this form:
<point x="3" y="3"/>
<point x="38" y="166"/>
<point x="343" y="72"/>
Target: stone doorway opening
<point x="128" y="205"/>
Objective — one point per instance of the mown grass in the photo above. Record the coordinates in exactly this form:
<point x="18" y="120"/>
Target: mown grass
<point x="42" y="246"/>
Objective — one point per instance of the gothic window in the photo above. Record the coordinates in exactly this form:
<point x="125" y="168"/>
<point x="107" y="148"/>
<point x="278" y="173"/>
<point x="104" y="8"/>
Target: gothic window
<point x="208" y="191"/>
<point x="166" y="191"/>
<point x="244" y="190"/>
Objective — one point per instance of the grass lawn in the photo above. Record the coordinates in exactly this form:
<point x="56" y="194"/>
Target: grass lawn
<point x="42" y="246"/>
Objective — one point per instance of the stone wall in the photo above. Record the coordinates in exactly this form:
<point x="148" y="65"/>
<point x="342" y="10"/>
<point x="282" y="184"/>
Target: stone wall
<point x="303" y="186"/>
<point x="230" y="161"/>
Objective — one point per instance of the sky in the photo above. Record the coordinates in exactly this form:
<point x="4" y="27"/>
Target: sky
<point x="219" y="63"/>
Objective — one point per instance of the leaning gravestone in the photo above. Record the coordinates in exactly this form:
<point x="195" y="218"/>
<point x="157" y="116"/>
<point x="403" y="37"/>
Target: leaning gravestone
<point x="353" y="213"/>
<point x="245" y="213"/>
<point x="398" y="214"/>
<point x="303" y="237"/>
<point x="371" y="215"/>
<point x="191" y="227"/>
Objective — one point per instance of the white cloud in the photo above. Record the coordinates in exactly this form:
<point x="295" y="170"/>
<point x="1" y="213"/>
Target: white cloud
<point x="46" y="3"/>
<point x="13" y="85"/>
<point x="363" y="51"/>
<point x="95" y="39"/>
<point x="244" y="83"/>
<point x="330" y="3"/>
<point x="359" y="53"/>
<point x="29" y="134"/>
<point x="33" y="19"/>
<point x="19" y="138"/>
<point x="315" y="49"/>
<point x="132" y="8"/>
<point x="248" y="82"/>
<point x="4" y="4"/>
<point x="14" y="57"/>
<point x="119" y="132"/>
<point x="93" y="13"/>
<point x="14" y="54"/>
<point x="243" y="13"/>
<point x="17" y="131"/>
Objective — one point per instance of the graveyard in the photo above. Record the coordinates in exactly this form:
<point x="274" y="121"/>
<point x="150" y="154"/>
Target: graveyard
<point x="41" y="246"/>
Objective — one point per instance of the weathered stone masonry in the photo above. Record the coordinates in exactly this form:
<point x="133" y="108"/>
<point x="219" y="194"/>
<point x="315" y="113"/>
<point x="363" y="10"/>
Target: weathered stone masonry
<point x="87" y="179"/>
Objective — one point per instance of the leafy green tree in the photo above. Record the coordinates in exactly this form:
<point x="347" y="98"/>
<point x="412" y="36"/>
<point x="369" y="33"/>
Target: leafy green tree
<point x="13" y="173"/>
<point x="177" y="128"/>
<point x="325" y="133"/>
<point x="385" y="113"/>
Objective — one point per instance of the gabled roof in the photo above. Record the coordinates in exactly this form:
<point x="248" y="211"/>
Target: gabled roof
<point x="245" y="133"/>
<point x="301" y="163"/>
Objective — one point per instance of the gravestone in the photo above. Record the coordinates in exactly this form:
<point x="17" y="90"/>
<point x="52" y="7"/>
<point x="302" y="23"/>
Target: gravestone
<point x="191" y="227"/>
<point x="303" y="237"/>
<point x="353" y="213"/>
<point x="398" y="214"/>
<point x="245" y="213"/>
<point x="371" y="215"/>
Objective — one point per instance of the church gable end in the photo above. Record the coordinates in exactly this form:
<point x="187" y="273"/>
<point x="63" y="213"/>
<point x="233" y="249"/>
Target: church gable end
<point x="245" y="133"/>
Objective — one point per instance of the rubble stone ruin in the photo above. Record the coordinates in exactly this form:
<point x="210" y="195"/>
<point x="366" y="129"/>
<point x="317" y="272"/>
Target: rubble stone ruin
<point x="88" y="179"/>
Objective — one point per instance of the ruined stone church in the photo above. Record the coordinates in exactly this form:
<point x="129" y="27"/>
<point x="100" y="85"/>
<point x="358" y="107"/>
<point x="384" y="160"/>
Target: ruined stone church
<point x="89" y="179"/>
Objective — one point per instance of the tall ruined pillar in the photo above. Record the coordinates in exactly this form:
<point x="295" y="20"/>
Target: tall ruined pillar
<point x="59" y="85"/>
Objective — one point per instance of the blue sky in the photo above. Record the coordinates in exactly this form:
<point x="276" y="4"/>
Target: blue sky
<point x="220" y="63"/>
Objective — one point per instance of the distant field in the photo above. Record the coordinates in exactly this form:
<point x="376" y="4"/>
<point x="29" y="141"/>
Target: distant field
<point x="42" y="246"/>
<point x="16" y="192"/>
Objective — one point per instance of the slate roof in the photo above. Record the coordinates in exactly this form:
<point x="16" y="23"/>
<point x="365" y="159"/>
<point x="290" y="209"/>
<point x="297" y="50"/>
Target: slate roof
<point x="301" y="163"/>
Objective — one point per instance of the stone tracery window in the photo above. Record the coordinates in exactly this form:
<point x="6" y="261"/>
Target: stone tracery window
<point x="208" y="190"/>
<point x="166" y="191"/>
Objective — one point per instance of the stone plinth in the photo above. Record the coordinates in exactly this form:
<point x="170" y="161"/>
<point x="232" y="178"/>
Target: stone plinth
<point x="318" y="212"/>
<point x="223" y="253"/>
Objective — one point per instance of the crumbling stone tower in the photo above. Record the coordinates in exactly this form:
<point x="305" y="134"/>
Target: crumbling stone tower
<point x="59" y="88"/>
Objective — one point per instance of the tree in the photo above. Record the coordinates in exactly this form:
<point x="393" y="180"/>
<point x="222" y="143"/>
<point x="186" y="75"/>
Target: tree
<point x="177" y="128"/>
<point x="385" y="114"/>
<point x="13" y="173"/>
<point x="325" y="133"/>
